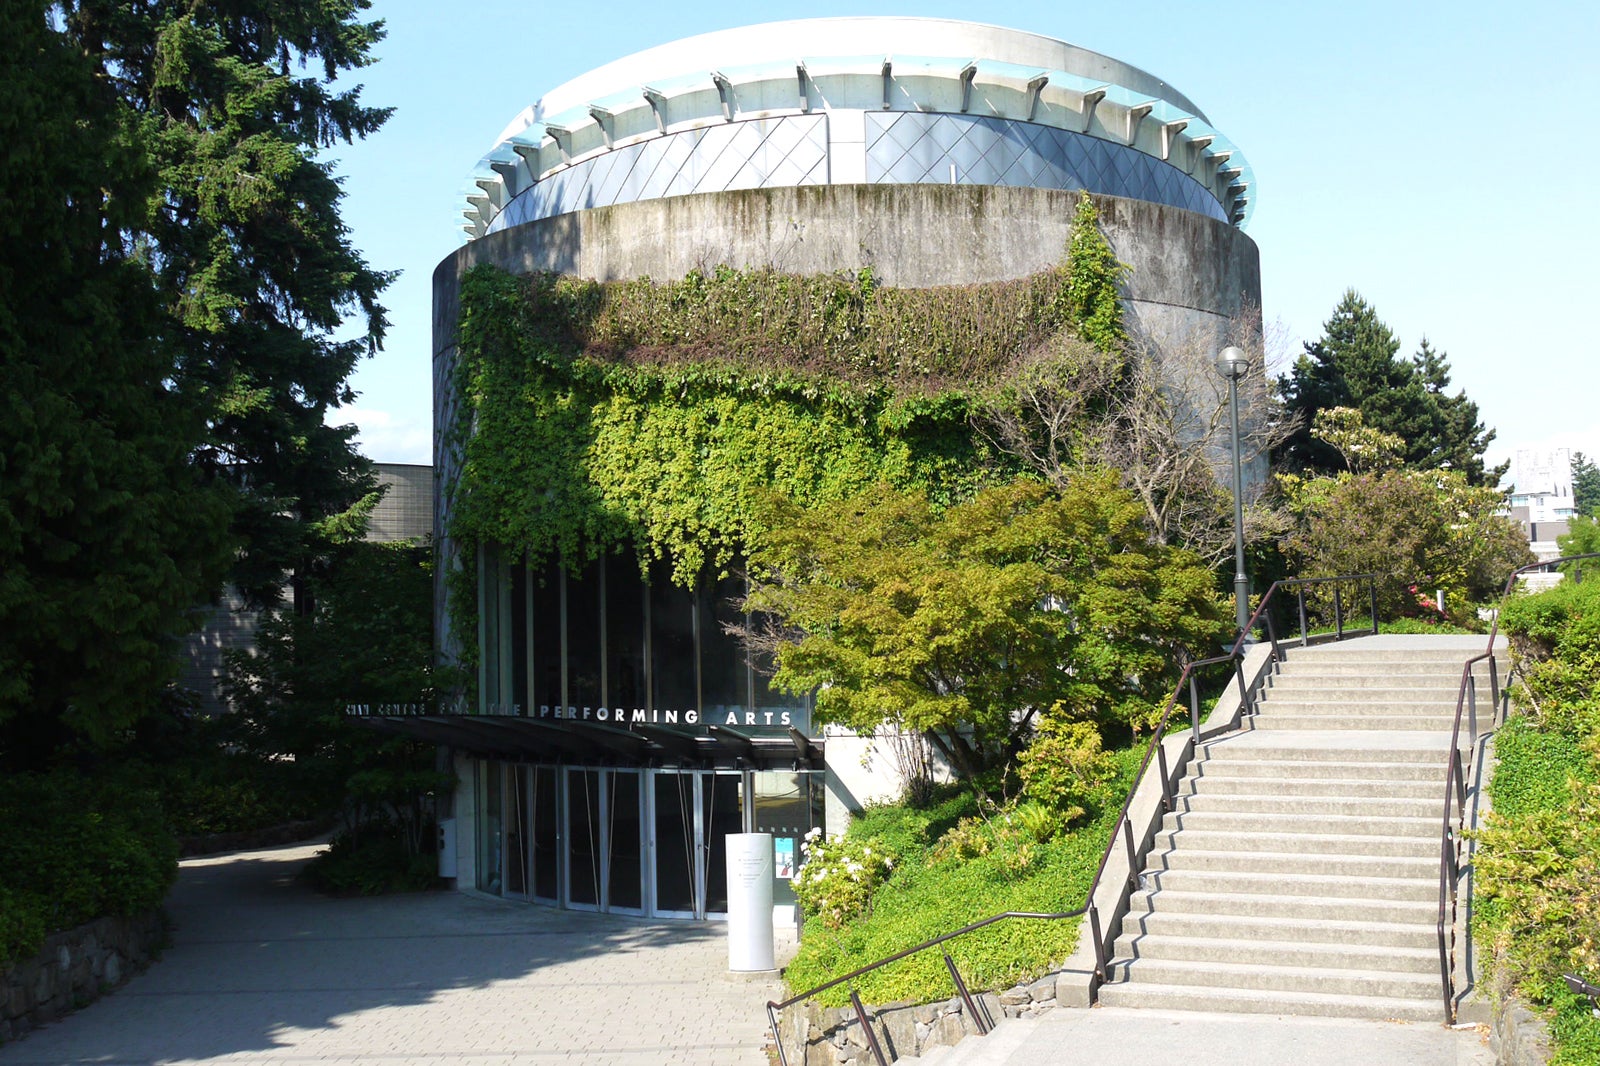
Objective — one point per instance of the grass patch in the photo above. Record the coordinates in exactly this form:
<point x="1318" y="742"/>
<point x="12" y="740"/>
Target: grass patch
<point x="928" y="896"/>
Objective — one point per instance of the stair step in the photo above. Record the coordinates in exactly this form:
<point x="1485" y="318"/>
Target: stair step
<point x="1235" y="750"/>
<point x="1318" y="825"/>
<point x="1209" y="784"/>
<point x="1275" y="928"/>
<point x="1315" y="806"/>
<point x="1407" y="866"/>
<point x="1325" y="770"/>
<point x="1302" y="843"/>
<point x="1357" y="653"/>
<point x="1354" y="667"/>
<point x="1283" y="883"/>
<point x="1279" y="980"/>
<point x="1333" y="909"/>
<point x="1306" y="720"/>
<point x="1255" y="1001"/>
<point x="1268" y="975"/>
<point x="1405" y="684"/>
<point x="1283" y="952"/>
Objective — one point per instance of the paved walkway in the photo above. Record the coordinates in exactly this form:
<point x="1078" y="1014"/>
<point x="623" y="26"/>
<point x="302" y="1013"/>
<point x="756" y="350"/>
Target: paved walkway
<point x="264" y="971"/>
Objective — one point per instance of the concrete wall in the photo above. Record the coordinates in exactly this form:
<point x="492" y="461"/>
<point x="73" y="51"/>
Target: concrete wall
<point x="1185" y="266"/>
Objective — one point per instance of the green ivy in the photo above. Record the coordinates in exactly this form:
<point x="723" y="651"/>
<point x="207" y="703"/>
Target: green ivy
<point x="635" y="415"/>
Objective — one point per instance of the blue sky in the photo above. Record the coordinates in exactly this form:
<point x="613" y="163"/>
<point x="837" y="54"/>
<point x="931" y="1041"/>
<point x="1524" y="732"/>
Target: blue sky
<point x="1436" y="157"/>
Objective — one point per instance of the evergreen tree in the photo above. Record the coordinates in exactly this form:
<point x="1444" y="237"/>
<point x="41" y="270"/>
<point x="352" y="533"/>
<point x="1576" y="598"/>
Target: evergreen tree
<point x="108" y="535"/>
<point x="1356" y="364"/>
<point x="1459" y="438"/>
<point x="246" y="245"/>
<point x="1585" y="485"/>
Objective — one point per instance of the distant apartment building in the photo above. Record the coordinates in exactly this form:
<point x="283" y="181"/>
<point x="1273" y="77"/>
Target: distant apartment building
<point x="1541" y="499"/>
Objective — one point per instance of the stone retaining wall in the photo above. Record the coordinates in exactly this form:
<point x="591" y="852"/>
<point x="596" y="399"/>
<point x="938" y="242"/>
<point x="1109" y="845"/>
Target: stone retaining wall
<point x="1517" y="1035"/>
<point x="832" y="1036"/>
<point x="74" y="968"/>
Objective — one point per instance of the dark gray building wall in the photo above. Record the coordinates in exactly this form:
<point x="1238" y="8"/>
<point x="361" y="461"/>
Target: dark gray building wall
<point x="405" y="513"/>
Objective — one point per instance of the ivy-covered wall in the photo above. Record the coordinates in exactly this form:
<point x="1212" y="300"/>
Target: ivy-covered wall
<point x="595" y="417"/>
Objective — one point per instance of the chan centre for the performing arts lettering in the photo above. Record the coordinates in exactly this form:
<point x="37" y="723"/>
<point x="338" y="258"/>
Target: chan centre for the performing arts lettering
<point x="735" y="717"/>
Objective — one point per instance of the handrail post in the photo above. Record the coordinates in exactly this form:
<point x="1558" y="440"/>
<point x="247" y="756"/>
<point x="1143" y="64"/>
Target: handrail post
<point x="1372" y="601"/>
<point x="1338" y="612"/>
<point x="966" y="997"/>
<point x="866" y="1028"/>
<point x="1166" y="782"/>
<point x="777" y="1037"/>
<point x="1194" y="706"/>
<point x="1099" y="941"/>
<point x="1246" y="704"/>
<point x="1494" y="689"/>
<point x="1300" y="593"/>
<point x="1133" y="855"/>
<point x="1472" y="704"/>
<point x="1461" y="781"/>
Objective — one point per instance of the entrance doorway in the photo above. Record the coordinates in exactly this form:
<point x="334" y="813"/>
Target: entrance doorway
<point x="631" y="841"/>
<point x="693" y="811"/>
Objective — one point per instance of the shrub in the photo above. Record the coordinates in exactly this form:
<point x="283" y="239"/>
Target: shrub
<point x="374" y="861"/>
<point x="73" y="849"/>
<point x="1065" y="768"/>
<point x="1538" y="862"/>
<point x="839" y="876"/>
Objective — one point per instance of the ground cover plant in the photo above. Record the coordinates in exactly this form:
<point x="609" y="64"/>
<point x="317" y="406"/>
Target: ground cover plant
<point x="1538" y="888"/>
<point x="946" y="866"/>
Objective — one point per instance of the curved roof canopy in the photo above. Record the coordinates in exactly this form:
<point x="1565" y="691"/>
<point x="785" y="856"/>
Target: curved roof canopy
<point x="839" y="65"/>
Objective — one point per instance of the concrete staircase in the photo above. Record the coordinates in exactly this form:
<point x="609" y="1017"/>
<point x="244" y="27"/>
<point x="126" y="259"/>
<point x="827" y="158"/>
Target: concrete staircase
<point x="1298" y="872"/>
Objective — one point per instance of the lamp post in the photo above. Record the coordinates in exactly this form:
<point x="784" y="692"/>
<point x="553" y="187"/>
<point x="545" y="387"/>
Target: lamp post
<point x="1232" y="364"/>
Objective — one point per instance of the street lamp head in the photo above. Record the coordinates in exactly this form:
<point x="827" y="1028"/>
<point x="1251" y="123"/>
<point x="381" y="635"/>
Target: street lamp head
<point x="1232" y="362"/>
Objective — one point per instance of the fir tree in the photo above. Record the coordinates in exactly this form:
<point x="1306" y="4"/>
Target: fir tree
<point x="1585" y="485"/>
<point x="1356" y="364"/>
<point x="246" y="245"/>
<point x="108" y="535"/>
<point x="1459" y="438"/>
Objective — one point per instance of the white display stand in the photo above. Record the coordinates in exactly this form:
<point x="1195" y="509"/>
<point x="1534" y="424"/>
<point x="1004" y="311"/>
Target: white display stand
<point x="750" y="873"/>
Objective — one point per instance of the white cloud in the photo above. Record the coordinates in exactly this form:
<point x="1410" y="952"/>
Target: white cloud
<point x="388" y="438"/>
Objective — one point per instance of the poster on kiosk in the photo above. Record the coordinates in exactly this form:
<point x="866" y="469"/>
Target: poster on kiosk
<point x="750" y="873"/>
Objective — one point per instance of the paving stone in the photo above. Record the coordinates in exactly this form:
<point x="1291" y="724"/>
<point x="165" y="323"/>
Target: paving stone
<point x="264" y="972"/>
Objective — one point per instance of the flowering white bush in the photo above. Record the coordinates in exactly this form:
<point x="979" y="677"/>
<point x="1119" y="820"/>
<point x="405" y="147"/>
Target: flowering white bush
<point x="838" y="877"/>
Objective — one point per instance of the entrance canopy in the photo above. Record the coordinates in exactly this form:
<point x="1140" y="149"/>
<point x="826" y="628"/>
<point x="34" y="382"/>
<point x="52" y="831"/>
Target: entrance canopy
<point x="517" y="738"/>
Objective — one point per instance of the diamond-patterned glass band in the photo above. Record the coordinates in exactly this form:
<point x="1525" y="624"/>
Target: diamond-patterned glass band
<point x="754" y="154"/>
<point x="904" y="147"/>
<point x="907" y="148"/>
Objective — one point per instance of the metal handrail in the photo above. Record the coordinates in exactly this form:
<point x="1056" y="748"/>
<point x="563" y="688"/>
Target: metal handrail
<point x="1451" y="831"/>
<point x="1186" y="680"/>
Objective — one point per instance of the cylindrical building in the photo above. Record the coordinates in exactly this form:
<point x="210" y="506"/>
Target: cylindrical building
<point x="619" y="732"/>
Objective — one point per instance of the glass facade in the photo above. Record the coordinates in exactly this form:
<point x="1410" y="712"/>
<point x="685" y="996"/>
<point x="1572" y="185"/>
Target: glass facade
<point x="608" y="647"/>
<point x="634" y="841"/>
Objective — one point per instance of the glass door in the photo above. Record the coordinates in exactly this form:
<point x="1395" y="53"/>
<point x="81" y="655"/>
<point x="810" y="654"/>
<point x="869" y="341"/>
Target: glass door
<point x="673" y="847"/>
<point x="584" y="851"/>
<point x="519" y="784"/>
<point x="545" y="822"/>
<point x="721" y="814"/>
<point x="691" y="814"/>
<point x="624" y="841"/>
